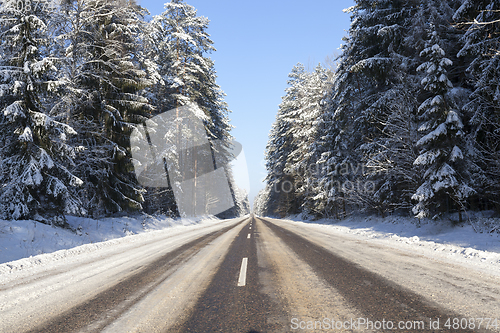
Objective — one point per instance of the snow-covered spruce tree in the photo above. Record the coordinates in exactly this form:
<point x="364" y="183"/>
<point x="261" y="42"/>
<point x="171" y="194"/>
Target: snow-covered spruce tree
<point x="390" y="175"/>
<point x="302" y="161"/>
<point x="481" y="51"/>
<point x="242" y="202"/>
<point x="324" y="198"/>
<point x="180" y="47"/>
<point x="105" y="98"/>
<point x="157" y="200"/>
<point x="261" y="201"/>
<point x="389" y="157"/>
<point x="34" y="151"/>
<point x="376" y="70"/>
<point x="441" y="155"/>
<point x="369" y="67"/>
<point x="281" y="143"/>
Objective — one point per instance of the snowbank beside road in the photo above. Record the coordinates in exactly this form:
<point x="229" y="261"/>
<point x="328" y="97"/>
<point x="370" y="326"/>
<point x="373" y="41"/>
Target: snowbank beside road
<point x="24" y="244"/>
<point x="433" y="239"/>
<point x="27" y="239"/>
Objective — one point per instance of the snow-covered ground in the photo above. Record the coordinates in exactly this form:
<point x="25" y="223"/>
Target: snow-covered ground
<point x="475" y="244"/>
<point x="28" y="243"/>
<point x="24" y="244"/>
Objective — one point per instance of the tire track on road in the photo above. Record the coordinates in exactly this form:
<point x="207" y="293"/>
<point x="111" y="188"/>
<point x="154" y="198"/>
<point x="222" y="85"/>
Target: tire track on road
<point x="368" y="292"/>
<point x="111" y="303"/>
<point x="226" y="306"/>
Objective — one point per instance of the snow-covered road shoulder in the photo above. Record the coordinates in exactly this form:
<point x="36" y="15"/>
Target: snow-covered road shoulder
<point x="28" y="244"/>
<point x="433" y="239"/>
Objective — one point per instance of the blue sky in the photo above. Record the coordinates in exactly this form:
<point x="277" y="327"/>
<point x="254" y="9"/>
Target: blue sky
<point x="258" y="42"/>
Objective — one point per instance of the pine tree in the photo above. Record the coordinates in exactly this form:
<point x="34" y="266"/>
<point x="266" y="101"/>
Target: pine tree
<point x="371" y="112"/>
<point x="180" y="47"/>
<point x="325" y="198"/>
<point x="261" y="203"/>
<point x="388" y="158"/>
<point x="370" y="66"/>
<point x="481" y="52"/>
<point x="34" y="149"/>
<point x="441" y="147"/>
<point x="303" y="160"/>
<point x="105" y="98"/>
<point x="281" y="178"/>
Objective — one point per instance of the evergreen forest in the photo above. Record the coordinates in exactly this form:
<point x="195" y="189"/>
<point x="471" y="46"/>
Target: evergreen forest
<point x="77" y="78"/>
<point x="407" y="121"/>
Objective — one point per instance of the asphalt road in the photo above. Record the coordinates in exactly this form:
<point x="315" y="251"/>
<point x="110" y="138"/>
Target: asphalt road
<point x="263" y="275"/>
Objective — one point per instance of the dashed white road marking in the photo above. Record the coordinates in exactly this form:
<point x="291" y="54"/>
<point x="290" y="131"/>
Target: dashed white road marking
<point x="248" y="236"/>
<point x="242" y="280"/>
